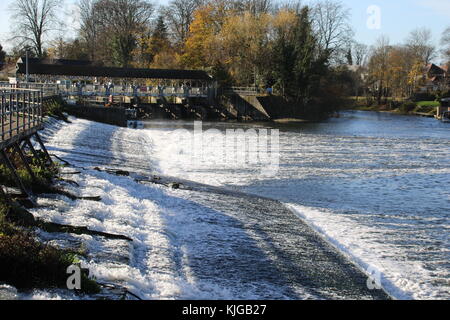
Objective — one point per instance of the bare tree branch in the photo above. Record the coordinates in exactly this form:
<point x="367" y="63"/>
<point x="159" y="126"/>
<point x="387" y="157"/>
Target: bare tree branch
<point x="32" y="20"/>
<point x="331" y="22"/>
<point x="179" y="15"/>
<point x="420" y="44"/>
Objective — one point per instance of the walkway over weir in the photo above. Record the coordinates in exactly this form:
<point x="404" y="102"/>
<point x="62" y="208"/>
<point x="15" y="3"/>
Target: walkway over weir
<point x="85" y="78"/>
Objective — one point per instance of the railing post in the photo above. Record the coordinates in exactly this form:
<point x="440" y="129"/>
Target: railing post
<point x="10" y="111"/>
<point x="30" y="109"/>
<point x="3" y="111"/>
<point x="17" y="113"/>
<point x="40" y="106"/>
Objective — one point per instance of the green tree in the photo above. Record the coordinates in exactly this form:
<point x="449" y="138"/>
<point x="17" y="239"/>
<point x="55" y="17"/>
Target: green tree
<point x="159" y="40"/>
<point x="296" y="65"/>
<point x="151" y="43"/>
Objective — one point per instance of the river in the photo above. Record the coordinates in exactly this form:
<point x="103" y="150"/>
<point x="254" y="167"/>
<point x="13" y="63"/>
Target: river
<point x="375" y="185"/>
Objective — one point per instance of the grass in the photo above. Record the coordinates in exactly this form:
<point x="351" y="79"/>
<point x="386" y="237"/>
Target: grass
<point x="42" y="174"/>
<point x="405" y="107"/>
<point x="25" y="262"/>
<point x="428" y="104"/>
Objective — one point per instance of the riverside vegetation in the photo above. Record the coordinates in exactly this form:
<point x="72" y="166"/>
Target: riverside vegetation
<point x="25" y="262"/>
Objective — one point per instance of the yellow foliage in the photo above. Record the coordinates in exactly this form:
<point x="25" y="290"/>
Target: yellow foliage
<point x="198" y="50"/>
<point x="167" y="59"/>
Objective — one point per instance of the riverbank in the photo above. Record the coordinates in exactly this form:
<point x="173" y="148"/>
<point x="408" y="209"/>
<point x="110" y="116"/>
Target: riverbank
<point x="190" y="241"/>
<point x="27" y="262"/>
<point x="419" y="108"/>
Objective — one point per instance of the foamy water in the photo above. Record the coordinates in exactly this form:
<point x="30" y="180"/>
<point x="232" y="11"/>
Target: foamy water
<point x="376" y="186"/>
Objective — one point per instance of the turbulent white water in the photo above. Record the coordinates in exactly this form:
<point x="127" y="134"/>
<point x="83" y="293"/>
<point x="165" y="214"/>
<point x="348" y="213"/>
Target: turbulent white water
<point x="376" y="188"/>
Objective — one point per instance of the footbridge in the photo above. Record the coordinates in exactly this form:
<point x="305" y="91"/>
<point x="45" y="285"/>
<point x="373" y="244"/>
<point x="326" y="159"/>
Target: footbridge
<point x="74" y="78"/>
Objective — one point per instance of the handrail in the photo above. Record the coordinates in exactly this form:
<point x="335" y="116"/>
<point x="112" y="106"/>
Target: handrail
<point x="20" y="111"/>
<point x="50" y="89"/>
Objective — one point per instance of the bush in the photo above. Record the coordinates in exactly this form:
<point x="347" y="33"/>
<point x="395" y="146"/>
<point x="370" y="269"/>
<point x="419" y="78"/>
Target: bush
<point x="28" y="264"/>
<point x="55" y="108"/>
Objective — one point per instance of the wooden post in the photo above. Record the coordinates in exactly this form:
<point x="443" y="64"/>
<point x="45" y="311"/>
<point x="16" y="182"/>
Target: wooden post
<point x="38" y="138"/>
<point x="19" y="184"/>
<point x="4" y="195"/>
<point x="25" y="161"/>
<point x="33" y="150"/>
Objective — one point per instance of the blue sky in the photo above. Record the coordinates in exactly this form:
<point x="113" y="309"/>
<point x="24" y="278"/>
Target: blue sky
<point x="398" y="18"/>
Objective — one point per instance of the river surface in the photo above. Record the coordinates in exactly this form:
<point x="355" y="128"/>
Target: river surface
<point x="375" y="185"/>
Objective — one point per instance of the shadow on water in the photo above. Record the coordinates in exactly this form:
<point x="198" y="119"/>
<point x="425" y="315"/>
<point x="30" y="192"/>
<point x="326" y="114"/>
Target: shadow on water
<point x="219" y="252"/>
<point x="249" y="246"/>
<point x="303" y="261"/>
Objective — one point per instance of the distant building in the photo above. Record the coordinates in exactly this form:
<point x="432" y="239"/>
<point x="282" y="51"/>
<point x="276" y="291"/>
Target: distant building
<point x="437" y="78"/>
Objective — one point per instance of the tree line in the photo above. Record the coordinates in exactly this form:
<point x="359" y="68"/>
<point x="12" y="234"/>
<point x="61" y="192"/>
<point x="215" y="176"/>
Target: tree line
<point x="399" y="70"/>
<point x="296" y="49"/>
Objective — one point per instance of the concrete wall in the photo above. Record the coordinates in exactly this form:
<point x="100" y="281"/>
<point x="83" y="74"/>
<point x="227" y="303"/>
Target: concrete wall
<point x="263" y="107"/>
<point x="114" y="116"/>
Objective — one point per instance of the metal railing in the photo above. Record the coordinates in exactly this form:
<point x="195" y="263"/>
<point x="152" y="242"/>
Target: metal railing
<point x="20" y="112"/>
<point x="141" y="91"/>
<point x="48" y="89"/>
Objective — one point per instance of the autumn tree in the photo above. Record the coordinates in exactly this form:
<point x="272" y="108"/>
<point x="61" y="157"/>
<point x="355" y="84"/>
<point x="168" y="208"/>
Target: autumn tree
<point x="246" y="45"/>
<point x="201" y="49"/>
<point x="67" y="49"/>
<point x="257" y="7"/>
<point x="32" y="20"/>
<point x="378" y="68"/>
<point x="415" y="77"/>
<point x="398" y="69"/>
